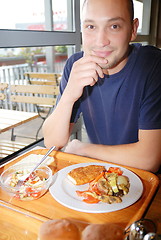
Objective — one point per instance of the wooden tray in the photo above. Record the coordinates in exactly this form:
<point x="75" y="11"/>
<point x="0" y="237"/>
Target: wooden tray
<point x="47" y="207"/>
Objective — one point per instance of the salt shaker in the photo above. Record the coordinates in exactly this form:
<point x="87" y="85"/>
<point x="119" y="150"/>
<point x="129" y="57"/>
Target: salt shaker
<point x="151" y="236"/>
<point x="137" y="231"/>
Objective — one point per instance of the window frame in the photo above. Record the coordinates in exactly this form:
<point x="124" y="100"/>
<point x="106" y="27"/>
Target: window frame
<point x="12" y="38"/>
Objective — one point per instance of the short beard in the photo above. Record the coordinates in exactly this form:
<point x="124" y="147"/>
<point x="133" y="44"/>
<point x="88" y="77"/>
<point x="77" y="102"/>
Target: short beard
<point x="109" y="65"/>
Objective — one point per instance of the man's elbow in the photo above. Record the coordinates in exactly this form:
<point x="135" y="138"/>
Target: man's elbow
<point x="153" y="164"/>
<point x="49" y="143"/>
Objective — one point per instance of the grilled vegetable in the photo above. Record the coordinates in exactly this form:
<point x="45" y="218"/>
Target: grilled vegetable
<point x="107" y="187"/>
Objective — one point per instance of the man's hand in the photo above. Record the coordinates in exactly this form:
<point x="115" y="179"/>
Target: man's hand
<point x="84" y="72"/>
<point x="75" y="147"/>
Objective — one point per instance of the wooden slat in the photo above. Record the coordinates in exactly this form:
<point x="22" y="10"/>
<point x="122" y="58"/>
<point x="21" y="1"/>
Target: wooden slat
<point x="9" y="147"/>
<point x="33" y="100"/>
<point x="16" y="115"/>
<point x="37" y="82"/>
<point x="15" y="225"/>
<point x="13" y="144"/>
<point x="2" y="96"/>
<point x="14" y="118"/>
<point x="47" y="76"/>
<point x="54" y="90"/>
<point x="3" y="86"/>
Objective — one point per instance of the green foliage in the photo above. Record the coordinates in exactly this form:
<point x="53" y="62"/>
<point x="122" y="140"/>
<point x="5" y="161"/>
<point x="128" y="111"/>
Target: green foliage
<point x="61" y="49"/>
<point x="29" y="53"/>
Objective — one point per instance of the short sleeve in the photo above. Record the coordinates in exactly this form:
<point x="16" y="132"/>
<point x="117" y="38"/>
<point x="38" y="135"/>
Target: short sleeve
<point x="150" y="111"/>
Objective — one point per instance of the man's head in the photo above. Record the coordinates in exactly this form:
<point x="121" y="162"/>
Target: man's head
<point x="130" y="6"/>
<point x="107" y="29"/>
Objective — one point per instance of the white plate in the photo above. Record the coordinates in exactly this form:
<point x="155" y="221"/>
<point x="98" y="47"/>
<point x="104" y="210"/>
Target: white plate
<point x="64" y="191"/>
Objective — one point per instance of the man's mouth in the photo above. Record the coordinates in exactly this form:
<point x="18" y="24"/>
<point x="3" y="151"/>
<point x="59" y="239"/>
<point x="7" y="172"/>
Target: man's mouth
<point x="104" y="54"/>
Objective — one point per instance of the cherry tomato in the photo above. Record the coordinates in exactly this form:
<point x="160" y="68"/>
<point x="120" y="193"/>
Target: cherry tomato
<point x="90" y="199"/>
<point x="36" y="194"/>
<point x="95" y="189"/>
<point x="115" y="170"/>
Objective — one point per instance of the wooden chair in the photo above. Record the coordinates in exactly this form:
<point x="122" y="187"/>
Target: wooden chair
<point x="8" y="147"/>
<point x="54" y="79"/>
<point x="3" y="87"/>
<point x="43" y="78"/>
<point x="43" y="97"/>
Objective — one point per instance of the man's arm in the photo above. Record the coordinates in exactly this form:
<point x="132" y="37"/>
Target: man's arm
<point x="57" y="127"/>
<point x="144" y="154"/>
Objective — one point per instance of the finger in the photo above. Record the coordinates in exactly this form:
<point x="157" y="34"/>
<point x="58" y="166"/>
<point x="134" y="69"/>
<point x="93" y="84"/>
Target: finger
<point x="89" y="81"/>
<point x="91" y="69"/>
<point x="99" y="71"/>
<point x="93" y="58"/>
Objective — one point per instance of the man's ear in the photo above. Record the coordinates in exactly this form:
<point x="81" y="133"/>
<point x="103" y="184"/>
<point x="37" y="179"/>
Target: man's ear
<point x="134" y="29"/>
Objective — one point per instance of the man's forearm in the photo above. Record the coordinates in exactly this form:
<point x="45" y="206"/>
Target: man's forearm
<point x="56" y="128"/>
<point x="144" y="154"/>
<point x="132" y="155"/>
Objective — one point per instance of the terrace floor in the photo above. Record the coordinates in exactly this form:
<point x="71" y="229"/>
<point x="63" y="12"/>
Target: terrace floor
<point x="26" y="134"/>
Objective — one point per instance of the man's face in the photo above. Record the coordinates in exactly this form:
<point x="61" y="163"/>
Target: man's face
<point x="107" y="30"/>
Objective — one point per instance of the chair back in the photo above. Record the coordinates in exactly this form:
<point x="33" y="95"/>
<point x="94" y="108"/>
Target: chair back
<point x="3" y="86"/>
<point x="34" y="94"/>
<point x="43" y="78"/>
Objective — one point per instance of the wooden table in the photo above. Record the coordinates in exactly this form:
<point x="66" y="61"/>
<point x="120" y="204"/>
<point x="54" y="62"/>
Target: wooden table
<point x="10" y="119"/>
<point x="24" y="218"/>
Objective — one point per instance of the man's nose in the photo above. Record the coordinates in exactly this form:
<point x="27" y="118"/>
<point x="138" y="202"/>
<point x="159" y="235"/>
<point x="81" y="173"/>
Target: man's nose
<point x="102" y="38"/>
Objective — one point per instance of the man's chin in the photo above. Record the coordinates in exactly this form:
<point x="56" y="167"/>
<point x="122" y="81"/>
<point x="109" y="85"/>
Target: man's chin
<point x="105" y="68"/>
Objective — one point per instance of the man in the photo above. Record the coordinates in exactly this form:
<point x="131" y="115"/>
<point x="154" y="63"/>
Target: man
<point x="116" y="86"/>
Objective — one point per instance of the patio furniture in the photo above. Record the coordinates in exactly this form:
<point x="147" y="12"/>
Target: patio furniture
<point x="54" y="79"/>
<point x="43" y="78"/>
<point x="43" y="97"/>
<point x="8" y="121"/>
<point x="3" y="86"/>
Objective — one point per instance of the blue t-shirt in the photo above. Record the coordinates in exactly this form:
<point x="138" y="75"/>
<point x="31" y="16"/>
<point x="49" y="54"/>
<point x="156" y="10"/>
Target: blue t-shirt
<point x="118" y="105"/>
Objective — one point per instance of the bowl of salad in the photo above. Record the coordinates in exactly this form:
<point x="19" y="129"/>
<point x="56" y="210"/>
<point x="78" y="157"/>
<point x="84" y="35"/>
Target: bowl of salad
<point x="32" y="188"/>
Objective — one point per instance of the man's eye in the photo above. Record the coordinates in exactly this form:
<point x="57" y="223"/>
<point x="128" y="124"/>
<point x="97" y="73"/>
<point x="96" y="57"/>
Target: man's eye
<point x="90" y="27"/>
<point x="115" y="26"/>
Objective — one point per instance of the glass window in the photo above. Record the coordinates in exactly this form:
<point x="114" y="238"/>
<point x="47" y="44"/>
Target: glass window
<point x="34" y="59"/>
<point x="24" y="15"/>
<point x="30" y="15"/>
<point x="138" y="13"/>
<point x="46" y="56"/>
<point x="62" y="15"/>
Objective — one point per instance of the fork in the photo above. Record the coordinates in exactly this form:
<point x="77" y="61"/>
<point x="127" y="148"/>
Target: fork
<point x="23" y="178"/>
